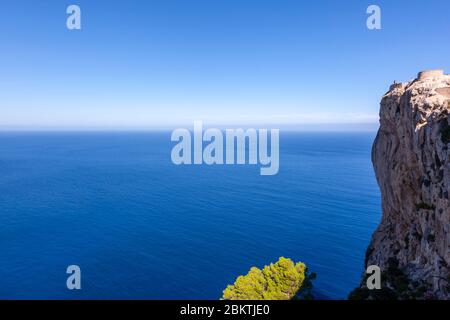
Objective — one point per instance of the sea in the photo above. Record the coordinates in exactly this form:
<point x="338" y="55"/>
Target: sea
<point x="140" y="227"/>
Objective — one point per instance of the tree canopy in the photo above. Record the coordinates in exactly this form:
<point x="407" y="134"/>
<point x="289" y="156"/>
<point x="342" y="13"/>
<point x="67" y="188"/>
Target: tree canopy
<point x="278" y="281"/>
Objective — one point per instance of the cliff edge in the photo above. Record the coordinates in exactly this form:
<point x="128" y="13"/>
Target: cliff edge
<point x="411" y="159"/>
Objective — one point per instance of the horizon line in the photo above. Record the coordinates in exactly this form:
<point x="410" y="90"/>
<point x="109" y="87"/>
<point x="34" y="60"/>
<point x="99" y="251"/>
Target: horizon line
<point x="167" y="129"/>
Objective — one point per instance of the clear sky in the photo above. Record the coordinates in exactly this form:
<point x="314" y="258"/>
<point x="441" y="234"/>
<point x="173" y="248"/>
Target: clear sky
<point x="147" y="64"/>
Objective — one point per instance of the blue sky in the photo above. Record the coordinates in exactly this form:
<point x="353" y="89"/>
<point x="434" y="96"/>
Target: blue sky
<point x="148" y="64"/>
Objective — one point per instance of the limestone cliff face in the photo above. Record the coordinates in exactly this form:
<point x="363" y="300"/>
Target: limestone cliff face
<point x="412" y="164"/>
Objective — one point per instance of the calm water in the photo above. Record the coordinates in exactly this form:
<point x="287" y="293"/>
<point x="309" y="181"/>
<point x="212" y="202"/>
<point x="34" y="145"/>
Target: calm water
<point x="140" y="227"/>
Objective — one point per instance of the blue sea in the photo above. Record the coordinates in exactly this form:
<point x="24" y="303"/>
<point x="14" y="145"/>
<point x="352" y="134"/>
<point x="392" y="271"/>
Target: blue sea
<point x="140" y="227"/>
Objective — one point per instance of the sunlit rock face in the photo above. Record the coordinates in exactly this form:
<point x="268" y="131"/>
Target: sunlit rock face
<point x="412" y="165"/>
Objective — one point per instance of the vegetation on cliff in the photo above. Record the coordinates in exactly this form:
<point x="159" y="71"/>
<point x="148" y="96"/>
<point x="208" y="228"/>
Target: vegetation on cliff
<point x="283" y="280"/>
<point x="395" y="285"/>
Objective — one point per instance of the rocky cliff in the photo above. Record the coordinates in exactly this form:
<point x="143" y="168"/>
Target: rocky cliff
<point x="412" y="164"/>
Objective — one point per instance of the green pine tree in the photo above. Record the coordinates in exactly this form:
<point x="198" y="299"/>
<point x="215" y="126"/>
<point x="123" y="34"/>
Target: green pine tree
<point x="278" y="281"/>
